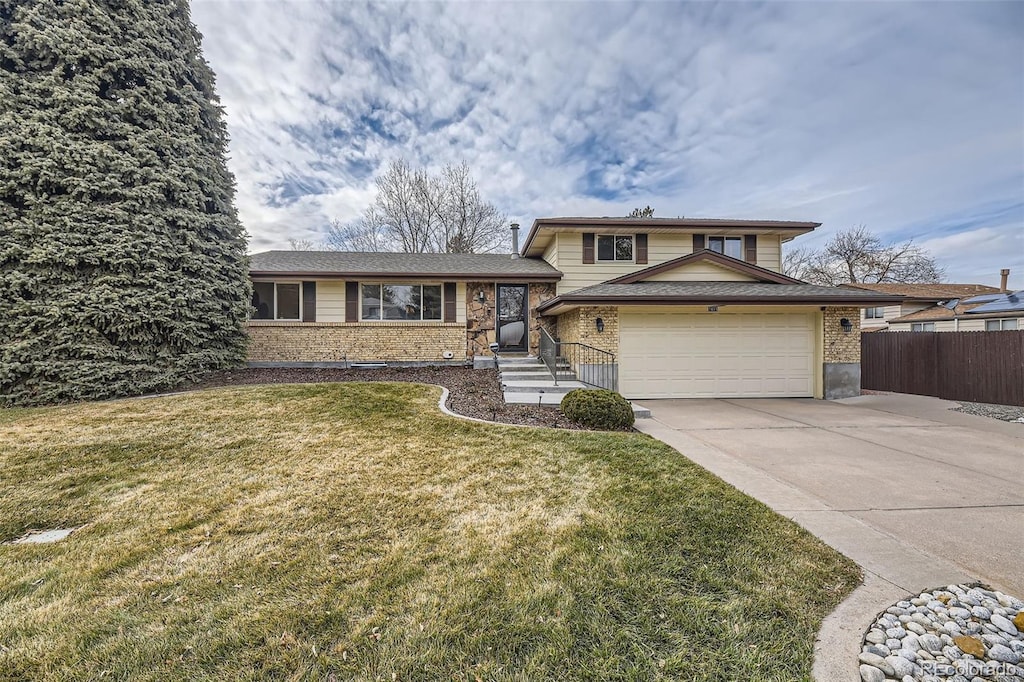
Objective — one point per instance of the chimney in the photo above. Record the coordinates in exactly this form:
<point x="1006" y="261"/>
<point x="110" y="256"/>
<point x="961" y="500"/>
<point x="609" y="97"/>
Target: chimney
<point x="1004" y="275"/>
<point x="515" y="240"/>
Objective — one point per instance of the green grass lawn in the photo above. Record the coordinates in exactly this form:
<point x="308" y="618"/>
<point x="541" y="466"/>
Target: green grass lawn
<point x="352" y="531"/>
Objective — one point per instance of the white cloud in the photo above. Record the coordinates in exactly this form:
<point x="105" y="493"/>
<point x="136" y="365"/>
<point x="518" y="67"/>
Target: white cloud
<point x="904" y="117"/>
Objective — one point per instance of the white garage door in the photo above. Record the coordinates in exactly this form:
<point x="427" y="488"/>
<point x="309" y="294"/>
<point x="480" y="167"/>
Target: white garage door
<point x="716" y="355"/>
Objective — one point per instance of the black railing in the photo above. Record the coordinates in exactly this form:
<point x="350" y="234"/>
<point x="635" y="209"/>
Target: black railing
<point x="574" y="361"/>
<point x="549" y="353"/>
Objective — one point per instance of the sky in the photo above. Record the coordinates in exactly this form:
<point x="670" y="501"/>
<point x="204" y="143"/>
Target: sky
<point x="905" y="117"/>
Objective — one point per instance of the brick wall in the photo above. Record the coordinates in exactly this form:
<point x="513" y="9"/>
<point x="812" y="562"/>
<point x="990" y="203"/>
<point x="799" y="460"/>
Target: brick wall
<point x="841" y="346"/>
<point x="334" y="342"/>
<point x="580" y="325"/>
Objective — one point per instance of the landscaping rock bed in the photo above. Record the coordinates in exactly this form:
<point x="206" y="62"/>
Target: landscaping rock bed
<point x="472" y="392"/>
<point x="1007" y="413"/>
<point x="959" y="632"/>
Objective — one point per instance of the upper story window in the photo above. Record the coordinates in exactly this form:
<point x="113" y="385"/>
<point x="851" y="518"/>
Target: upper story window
<point x="406" y="302"/>
<point x="876" y="313"/>
<point x="922" y="327"/>
<point x="730" y="246"/>
<point x="1000" y="325"/>
<point x="614" y="247"/>
<point x="276" y="301"/>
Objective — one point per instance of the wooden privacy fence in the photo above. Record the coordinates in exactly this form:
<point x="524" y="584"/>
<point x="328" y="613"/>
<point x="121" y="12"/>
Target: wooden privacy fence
<point x="983" y="367"/>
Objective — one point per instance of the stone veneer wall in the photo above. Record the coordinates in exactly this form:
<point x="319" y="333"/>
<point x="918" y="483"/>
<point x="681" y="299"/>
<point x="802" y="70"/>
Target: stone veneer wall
<point x="480" y="316"/>
<point x="841" y="346"/>
<point x="580" y="326"/>
<point x="540" y="292"/>
<point x="338" y="341"/>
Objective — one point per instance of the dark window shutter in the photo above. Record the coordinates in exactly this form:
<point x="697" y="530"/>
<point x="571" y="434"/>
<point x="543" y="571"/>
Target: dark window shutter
<point x="309" y="301"/>
<point x="750" y="248"/>
<point x="641" y="249"/>
<point x="698" y="242"/>
<point x="449" y="301"/>
<point x="351" y="301"/>
<point x="588" y="247"/>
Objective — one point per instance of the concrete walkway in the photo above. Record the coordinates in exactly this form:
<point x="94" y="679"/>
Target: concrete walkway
<point x="917" y="495"/>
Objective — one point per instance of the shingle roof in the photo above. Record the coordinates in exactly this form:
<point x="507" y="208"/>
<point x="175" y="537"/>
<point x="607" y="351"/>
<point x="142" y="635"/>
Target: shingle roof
<point x="351" y="263"/>
<point x="720" y="292"/>
<point x="931" y="290"/>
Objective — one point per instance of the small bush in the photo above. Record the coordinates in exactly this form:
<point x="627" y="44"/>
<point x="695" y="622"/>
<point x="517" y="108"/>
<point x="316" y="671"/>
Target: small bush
<point x="597" y="408"/>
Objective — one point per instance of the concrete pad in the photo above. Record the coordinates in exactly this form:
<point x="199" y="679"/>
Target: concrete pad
<point x="809" y="412"/>
<point x="39" y="537"/>
<point x="838" y="641"/>
<point x="984" y="536"/>
<point x="934" y="409"/>
<point x="713" y="414"/>
<point x="920" y="497"/>
<point x="851" y="473"/>
<point x="954" y="446"/>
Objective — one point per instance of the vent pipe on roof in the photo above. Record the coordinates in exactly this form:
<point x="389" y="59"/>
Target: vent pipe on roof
<point x="515" y="240"/>
<point x="1004" y="276"/>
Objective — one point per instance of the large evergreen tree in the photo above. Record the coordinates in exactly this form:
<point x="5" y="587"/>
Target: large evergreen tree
<point x="122" y="260"/>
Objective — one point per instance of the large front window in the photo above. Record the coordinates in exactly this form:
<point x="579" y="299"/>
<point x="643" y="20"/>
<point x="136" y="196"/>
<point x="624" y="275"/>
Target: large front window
<point x="730" y="246"/>
<point x="614" y="247"/>
<point x="276" y="300"/>
<point x="401" y="301"/>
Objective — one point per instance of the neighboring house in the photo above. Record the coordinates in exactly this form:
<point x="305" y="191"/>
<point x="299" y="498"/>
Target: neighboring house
<point x="917" y="297"/>
<point x="987" y="312"/>
<point x="684" y="307"/>
<point x="947" y="308"/>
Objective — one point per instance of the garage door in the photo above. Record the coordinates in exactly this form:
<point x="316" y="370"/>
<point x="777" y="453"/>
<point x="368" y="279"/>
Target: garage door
<point x="716" y="355"/>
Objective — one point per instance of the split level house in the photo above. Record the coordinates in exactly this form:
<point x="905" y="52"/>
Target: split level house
<point x="945" y="307"/>
<point x="674" y="308"/>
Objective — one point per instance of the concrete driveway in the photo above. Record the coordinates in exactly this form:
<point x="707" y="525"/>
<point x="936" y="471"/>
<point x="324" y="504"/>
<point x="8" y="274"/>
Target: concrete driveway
<point x="917" y="495"/>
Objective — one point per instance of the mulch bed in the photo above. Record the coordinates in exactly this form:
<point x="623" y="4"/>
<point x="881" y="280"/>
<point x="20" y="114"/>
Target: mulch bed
<point x="472" y="392"/>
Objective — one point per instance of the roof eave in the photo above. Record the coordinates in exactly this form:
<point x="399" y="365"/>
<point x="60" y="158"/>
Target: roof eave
<point x="570" y="300"/>
<point x="466" y="276"/>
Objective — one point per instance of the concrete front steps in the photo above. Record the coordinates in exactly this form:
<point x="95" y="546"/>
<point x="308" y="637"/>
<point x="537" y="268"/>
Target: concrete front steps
<point x="525" y="380"/>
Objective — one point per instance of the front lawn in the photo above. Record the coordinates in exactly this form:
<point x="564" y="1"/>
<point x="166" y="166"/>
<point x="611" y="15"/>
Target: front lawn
<point x="352" y="531"/>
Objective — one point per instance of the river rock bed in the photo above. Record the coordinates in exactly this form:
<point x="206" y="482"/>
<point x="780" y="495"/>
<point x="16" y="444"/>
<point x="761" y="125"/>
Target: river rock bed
<point x="961" y="633"/>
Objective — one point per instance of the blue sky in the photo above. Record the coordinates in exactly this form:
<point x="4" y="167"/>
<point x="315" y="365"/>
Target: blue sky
<point x="905" y="117"/>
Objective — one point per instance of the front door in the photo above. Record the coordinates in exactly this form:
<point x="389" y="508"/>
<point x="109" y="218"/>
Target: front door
<point x="513" y="308"/>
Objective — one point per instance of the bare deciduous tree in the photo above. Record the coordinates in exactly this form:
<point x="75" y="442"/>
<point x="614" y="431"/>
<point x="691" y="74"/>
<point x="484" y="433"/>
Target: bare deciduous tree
<point x="302" y="244"/>
<point x="858" y="255"/>
<point x="645" y="212"/>
<point x="415" y="212"/>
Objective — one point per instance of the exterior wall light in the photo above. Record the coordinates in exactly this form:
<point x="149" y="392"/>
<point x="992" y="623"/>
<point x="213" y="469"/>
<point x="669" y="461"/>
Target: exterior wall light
<point x="846" y="325"/>
<point x="599" y="323"/>
<point x="481" y="296"/>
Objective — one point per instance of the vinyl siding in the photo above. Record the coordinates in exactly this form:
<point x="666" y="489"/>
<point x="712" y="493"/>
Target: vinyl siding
<point x="700" y="272"/>
<point x="568" y="252"/>
<point x="330" y="301"/>
<point x="565" y="252"/>
<point x="460" y="302"/>
<point x="769" y="252"/>
<point x="551" y="253"/>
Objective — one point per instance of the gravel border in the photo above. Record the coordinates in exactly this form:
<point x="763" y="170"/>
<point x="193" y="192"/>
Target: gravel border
<point x="957" y="633"/>
<point x="472" y="392"/>
<point x="1006" y="413"/>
